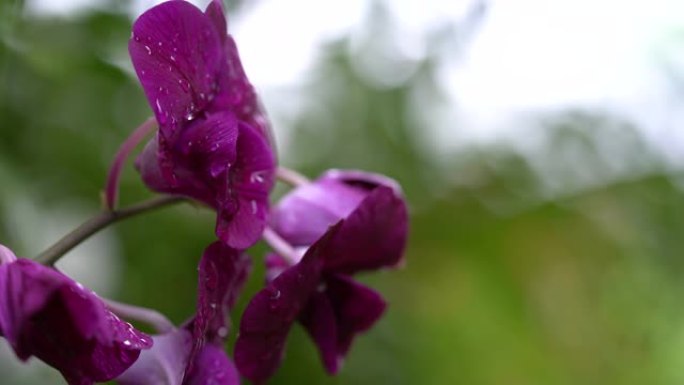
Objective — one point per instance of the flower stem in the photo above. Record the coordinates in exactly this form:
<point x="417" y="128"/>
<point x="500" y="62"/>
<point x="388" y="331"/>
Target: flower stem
<point x="99" y="222"/>
<point x="112" y="187"/>
<point x="291" y="177"/>
<point x="280" y="246"/>
<point x="149" y="316"/>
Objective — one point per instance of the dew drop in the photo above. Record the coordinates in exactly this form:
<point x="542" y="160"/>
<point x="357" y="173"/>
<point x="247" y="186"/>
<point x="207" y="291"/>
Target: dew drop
<point x="159" y="44"/>
<point x="149" y="50"/>
<point x="276" y="295"/>
<point x="256" y="177"/>
<point x="173" y="58"/>
<point x="127" y="343"/>
<point x="222" y="332"/>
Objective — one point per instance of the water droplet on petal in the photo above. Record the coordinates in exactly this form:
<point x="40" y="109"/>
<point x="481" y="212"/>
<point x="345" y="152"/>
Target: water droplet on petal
<point x="127" y="342"/>
<point x="149" y="50"/>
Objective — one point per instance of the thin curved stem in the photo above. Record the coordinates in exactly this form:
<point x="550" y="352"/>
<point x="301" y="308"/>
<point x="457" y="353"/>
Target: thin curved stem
<point x="149" y="316"/>
<point x="280" y="246"/>
<point x="112" y="186"/>
<point x="291" y="177"/>
<point x="99" y="222"/>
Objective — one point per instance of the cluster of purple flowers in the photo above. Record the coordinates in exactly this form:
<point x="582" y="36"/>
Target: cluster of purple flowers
<point x="214" y="146"/>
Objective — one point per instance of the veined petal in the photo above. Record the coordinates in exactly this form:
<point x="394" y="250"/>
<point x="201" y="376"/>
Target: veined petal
<point x="208" y="147"/>
<point x="48" y="315"/>
<point x="212" y="366"/>
<point x="373" y="235"/>
<point x="177" y="53"/>
<point x="222" y="273"/>
<point x="215" y="13"/>
<point x="269" y="316"/>
<point x="250" y="181"/>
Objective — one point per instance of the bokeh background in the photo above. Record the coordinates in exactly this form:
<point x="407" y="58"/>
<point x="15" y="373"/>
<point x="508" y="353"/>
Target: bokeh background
<point x="539" y="143"/>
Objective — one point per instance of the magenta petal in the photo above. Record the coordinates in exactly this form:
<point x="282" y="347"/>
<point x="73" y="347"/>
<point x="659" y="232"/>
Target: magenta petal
<point x="164" y="364"/>
<point x="357" y="309"/>
<point x="6" y="255"/>
<point x="318" y="318"/>
<point x="199" y="162"/>
<point x="176" y="53"/>
<point x="362" y="179"/>
<point x="304" y="214"/>
<point x="222" y="273"/>
<point x="212" y="367"/>
<point x="269" y="316"/>
<point x="373" y="236"/>
<point x="207" y="148"/>
<point x="251" y="179"/>
<point x="215" y="14"/>
<point x="45" y="314"/>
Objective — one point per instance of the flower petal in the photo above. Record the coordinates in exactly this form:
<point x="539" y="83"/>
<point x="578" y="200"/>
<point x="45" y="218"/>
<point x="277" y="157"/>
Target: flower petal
<point x="212" y="366"/>
<point x="216" y="15"/>
<point x="199" y="162"/>
<point x="362" y="179"/>
<point x="251" y="179"/>
<point x="177" y="54"/>
<point x="304" y="214"/>
<point x="357" y="308"/>
<point x="269" y="316"/>
<point x="222" y="273"/>
<point x="164" y="364"/>
<point x="48" y="315"/>
<point x="318" y="318"/>
<point x="6" y="255"/>
<point x="373" y="235"/>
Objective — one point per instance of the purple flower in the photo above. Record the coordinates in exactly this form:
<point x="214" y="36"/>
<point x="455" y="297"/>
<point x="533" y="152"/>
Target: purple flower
<point x="193" y="354"/>
<point x="167" y="363"/>
<point x="213" y="143"/>
<point x="369" y="229"/>
<point x="44" y="313"/>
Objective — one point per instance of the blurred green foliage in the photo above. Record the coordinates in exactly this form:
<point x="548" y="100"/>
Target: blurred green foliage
<point x="561" y="265"/>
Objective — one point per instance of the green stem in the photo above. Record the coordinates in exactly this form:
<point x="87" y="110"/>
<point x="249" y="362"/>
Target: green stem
<point x="99" y="222"/>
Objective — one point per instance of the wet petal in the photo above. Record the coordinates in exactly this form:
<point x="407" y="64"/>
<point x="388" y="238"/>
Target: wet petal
<point x="212" y="366"/>
<point x="45" y="314"/>
<point x="207" y="148"/>
<point x="222" y="273"/>
<point x="269" y="316"/>
<point x="177" y="54"/>
<point x="164" y="364"/>
<point x="373" y="235"/>
<point x="251" y="179"/>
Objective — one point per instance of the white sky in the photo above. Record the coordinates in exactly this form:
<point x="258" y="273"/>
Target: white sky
<point x="528" y="55"/>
